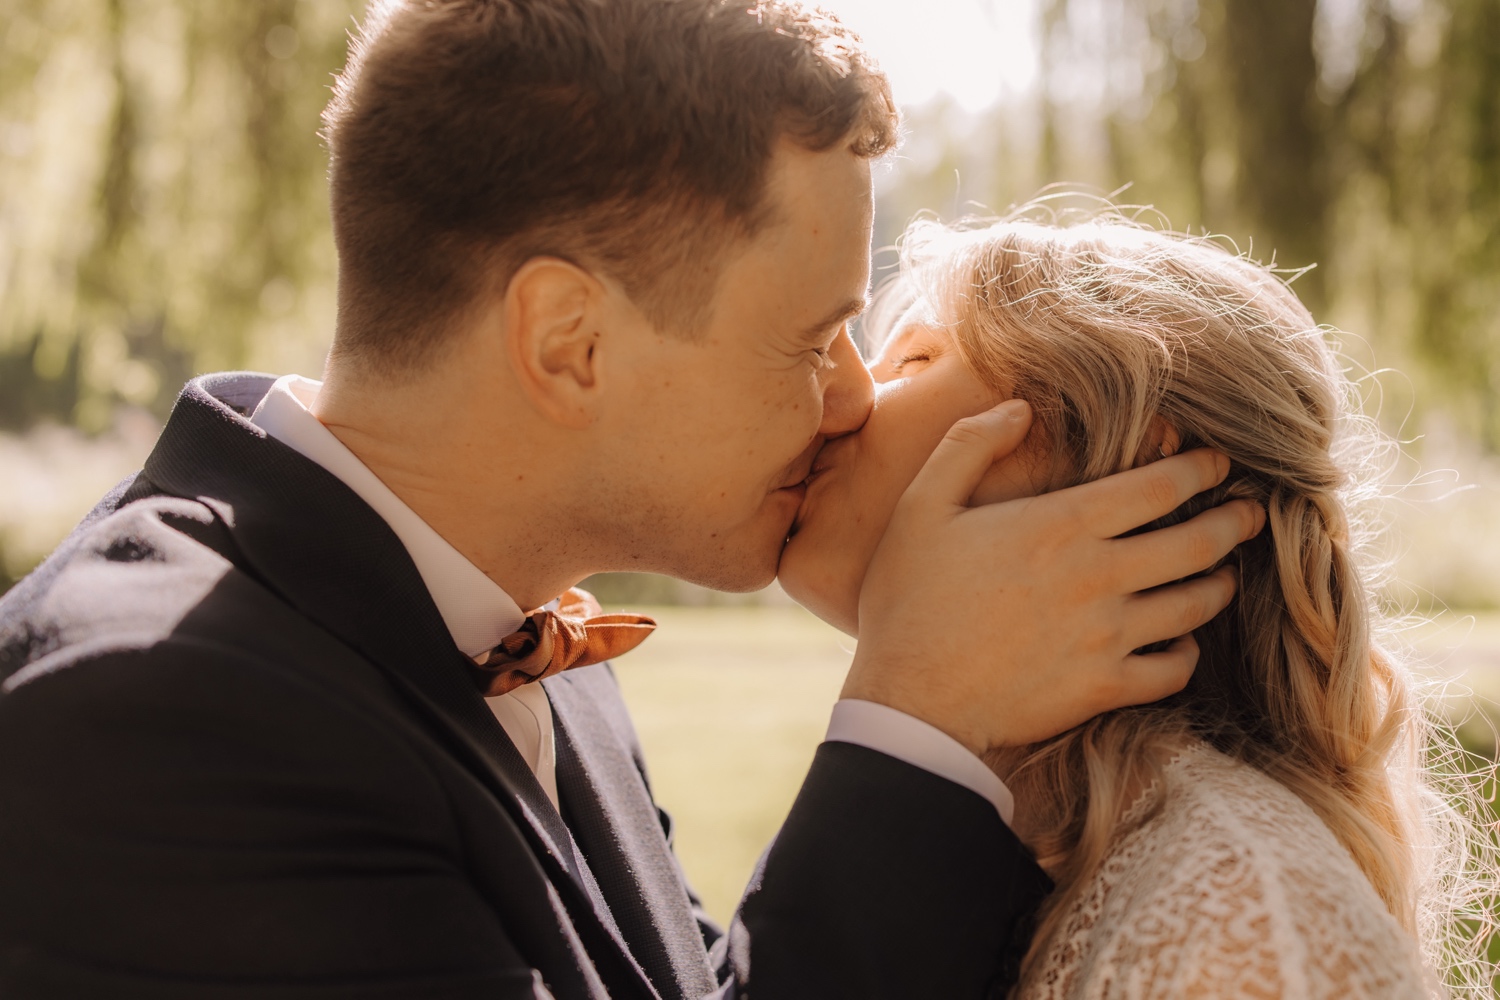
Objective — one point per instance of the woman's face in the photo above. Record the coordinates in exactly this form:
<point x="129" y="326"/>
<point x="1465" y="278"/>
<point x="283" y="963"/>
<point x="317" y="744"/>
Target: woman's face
<point x="922" y="388"/>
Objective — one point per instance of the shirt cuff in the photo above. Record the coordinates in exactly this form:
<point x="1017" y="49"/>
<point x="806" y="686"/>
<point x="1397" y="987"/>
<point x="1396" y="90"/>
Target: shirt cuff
<point x="896" y="734"/>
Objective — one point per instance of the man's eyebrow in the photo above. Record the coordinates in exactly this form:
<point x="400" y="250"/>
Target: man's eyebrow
<point x="845" y="312"/>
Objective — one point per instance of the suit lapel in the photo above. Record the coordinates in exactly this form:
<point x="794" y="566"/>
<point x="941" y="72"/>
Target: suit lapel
<point x="516" y="778"/>
<point x="317" y="544"/>
<point x="615" y="822"/>
<point x="312" y="540"/>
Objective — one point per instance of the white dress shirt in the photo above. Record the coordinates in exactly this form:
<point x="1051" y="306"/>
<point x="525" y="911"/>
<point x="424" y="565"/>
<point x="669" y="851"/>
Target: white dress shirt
<point x="479" y="614"/>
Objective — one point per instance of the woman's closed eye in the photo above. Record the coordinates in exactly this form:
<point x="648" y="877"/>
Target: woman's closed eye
<point x="911" y="345"/>
<point x="910" y="357"/>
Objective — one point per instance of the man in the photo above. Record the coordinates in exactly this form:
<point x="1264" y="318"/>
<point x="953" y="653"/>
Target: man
<point x="262" y="730"/>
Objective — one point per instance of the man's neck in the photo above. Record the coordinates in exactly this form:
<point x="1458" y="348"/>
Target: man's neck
<point x="477" y="475"/>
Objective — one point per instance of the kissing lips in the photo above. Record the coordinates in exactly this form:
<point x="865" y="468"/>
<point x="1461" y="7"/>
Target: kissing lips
<point x="801" y="472"/>
<point x="825" y="460"/>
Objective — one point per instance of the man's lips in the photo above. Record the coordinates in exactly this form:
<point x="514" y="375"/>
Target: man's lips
<point x="805" y="468"/>
<point x="797" y="478"/>
<point x="825" y="460"/>
<point x="816" y="469"/>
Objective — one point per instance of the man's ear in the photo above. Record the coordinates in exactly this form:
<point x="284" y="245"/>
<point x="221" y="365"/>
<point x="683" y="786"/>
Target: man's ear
<point x="552" y="326"/>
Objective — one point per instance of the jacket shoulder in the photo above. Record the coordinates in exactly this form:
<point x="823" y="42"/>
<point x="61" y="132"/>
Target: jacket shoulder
<point x="125" y="579"/>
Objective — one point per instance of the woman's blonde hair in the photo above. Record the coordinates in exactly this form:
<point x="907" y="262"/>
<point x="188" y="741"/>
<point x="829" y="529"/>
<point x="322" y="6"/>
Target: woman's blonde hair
<point x="1113" y="332"/>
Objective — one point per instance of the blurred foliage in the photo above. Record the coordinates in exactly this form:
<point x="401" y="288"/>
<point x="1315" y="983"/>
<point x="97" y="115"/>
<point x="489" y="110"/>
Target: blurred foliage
<point x="1360" y="136"/>
<point x="161" y="196"/>
<point x="162" y="190"/>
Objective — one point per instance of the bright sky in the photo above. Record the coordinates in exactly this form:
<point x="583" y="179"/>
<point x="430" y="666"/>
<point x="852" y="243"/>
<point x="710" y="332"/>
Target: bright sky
<point x="975" y="50"/>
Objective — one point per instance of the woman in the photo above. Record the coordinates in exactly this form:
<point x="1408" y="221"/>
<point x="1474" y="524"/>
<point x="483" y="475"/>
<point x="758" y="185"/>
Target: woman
<point x="1270" y="832"/>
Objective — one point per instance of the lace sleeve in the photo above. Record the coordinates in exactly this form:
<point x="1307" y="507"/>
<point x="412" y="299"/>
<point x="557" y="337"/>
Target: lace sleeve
<point x="1234" y="891"/>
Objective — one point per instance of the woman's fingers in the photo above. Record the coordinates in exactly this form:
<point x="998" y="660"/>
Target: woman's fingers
<point x="1183" y="550"/>
<point x="1123" y="502"/>
<point x="971" y="446"/>
<point x="1177" y="609"/>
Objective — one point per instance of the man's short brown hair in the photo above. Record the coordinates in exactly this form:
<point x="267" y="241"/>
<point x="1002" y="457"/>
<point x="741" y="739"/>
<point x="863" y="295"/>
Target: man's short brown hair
<point x="629" y="136"/>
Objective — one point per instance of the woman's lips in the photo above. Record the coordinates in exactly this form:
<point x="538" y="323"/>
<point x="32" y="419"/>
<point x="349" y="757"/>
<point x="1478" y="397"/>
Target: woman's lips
<point x="807" y="464"/>
<point x="815" y="475"/>
<point x="828" y="457"/>
<point x="795" y="484"/>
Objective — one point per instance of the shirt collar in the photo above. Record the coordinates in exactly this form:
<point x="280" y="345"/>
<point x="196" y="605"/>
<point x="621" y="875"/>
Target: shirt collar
<point x="477" y="611"/>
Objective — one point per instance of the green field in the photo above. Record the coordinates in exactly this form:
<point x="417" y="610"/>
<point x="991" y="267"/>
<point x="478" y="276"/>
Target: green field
<point x="731" y="702"/>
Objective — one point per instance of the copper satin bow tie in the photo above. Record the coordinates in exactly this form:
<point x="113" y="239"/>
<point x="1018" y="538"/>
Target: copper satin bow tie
<point x="577" y="634"/>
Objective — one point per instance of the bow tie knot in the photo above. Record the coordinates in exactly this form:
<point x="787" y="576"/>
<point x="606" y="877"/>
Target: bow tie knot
<point x="577" y="634"/>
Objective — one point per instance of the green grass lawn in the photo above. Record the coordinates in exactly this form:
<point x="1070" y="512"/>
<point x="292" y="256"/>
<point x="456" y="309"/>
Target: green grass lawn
<point x="731" y="702"/>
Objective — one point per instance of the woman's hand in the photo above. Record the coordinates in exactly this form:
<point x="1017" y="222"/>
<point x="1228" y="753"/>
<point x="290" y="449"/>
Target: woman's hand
<point x="1009" y="623"/>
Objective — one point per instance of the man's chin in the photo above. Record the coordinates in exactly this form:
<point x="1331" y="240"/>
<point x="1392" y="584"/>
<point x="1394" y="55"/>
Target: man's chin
<point x="731" y="580"/>
<point x="735" y="572"/>
<point x="740" y="561"/>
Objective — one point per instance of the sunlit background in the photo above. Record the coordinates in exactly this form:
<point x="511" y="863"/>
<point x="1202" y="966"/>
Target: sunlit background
<point x="971" y="52"/>
<point x="162" y="213"/>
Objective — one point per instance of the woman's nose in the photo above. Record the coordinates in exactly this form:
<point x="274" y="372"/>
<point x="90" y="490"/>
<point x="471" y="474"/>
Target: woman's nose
<point x="849" y="392"/>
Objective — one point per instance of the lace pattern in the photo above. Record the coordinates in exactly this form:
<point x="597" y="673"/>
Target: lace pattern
<point x="1235" y="889"/>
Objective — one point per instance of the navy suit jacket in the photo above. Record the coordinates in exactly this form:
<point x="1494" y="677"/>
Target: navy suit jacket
<point x="240" y="756"/>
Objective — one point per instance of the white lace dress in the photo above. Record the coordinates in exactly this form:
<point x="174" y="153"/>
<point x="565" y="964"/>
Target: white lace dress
<point x="1235" y="889"/>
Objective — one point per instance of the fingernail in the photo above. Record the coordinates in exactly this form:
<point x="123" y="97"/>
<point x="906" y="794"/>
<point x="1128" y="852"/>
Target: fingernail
<point x="1259" y="519"/>
<point x="1221" y="462"/>
<point x="1011" y="409"/>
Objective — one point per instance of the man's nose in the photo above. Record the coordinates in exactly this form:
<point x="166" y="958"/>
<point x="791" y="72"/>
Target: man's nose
<point x="849" y="392"/>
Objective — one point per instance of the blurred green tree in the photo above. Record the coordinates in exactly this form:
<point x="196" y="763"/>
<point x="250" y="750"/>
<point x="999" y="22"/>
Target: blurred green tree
<point x="1355" y="143"/>
<point x="162" y="207"/>
<point x="162" y="192"/>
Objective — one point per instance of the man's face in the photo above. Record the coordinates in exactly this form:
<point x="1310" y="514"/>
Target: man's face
<point x="712" y="437"/>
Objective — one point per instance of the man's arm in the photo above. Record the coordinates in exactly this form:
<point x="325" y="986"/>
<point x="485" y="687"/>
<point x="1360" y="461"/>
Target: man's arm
<point x="886" y="881"/>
